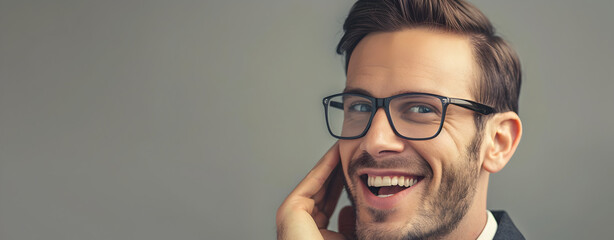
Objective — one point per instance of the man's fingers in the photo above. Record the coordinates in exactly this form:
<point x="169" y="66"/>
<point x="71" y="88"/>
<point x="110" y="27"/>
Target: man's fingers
<point x="303" y="212"/>
<point x="333" y="191"/>
<point x="330" y="235"/>
<point x="326" y="199"/>
<point x="347" y="222"/>
<point x="317" y="177"/>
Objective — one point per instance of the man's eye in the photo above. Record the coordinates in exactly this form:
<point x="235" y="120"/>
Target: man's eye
<point x="420" y="109"/>
<point x="361" y="107"/>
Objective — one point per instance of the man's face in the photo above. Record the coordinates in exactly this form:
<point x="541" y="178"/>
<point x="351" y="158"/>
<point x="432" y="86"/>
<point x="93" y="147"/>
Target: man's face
<point x="445" y="168"/>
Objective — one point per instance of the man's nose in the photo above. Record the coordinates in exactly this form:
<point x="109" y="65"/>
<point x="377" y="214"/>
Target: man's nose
<point x="381" y="140"/>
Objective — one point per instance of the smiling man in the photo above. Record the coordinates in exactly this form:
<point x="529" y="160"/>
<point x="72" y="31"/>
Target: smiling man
<point x="428" y="113"/>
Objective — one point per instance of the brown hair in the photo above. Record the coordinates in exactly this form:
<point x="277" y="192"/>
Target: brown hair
<point x="500" y="78"/>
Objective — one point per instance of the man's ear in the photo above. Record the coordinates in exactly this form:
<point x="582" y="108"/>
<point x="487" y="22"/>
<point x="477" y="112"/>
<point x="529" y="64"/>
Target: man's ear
<point x="503" y="132"/>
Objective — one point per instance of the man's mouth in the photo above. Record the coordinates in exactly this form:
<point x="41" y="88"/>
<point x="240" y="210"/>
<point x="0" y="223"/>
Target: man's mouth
<point x="387" y="186"/>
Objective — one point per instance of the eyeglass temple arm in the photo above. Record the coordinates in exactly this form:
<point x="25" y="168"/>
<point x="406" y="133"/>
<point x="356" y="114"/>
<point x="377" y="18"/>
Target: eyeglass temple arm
<point x="335" y="104"/>
<point x="478" y="107"/>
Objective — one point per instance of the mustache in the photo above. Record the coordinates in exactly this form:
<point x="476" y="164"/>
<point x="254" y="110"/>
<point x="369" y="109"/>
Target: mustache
<point x="365" y="160"/>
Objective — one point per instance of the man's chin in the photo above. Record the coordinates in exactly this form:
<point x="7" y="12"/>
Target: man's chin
<point x="394" y="223"/>
<point x="400" y="216"/>
<point x="386" y="217"/>
<point x="398" y="226"/>
<point x="391" y="229"/>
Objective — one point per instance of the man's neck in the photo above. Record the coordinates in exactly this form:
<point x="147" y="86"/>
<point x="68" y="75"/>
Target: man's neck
<point x="471" y="226"/>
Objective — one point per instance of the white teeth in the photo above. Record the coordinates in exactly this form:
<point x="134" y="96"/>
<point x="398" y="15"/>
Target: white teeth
<point x="386" y="181"/>
<point x="379" y="181"/>
<point x="384" y="196"/>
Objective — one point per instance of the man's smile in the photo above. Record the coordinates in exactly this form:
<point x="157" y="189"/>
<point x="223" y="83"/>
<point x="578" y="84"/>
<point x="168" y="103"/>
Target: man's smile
<point x="384" y="189"/>
<point x="388" y="185"/>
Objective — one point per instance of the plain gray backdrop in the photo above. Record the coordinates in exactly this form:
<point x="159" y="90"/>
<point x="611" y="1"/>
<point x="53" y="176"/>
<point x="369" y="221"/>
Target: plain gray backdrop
<point x="194" y="119"/>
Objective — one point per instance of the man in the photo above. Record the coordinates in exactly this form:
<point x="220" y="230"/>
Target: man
<point x="429" y="111"/>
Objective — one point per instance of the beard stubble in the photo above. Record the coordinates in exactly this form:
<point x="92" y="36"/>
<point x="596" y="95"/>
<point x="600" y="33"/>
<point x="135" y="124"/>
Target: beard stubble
<point x="439" y="212"/>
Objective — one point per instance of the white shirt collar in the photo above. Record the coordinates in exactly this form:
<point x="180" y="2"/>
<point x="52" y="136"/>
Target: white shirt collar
<point x="490" y="229"/>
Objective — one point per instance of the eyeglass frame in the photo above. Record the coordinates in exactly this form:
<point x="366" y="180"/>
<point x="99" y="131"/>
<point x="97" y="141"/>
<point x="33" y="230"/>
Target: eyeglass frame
<point x="377" y="103"/>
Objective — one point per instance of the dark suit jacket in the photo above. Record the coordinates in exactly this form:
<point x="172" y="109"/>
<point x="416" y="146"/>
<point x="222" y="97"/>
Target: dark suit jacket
<point x="506" y="230"/>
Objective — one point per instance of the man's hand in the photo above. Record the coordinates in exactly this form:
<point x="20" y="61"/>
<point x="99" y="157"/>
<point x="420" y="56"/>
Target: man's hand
<point x="306" y="212"/>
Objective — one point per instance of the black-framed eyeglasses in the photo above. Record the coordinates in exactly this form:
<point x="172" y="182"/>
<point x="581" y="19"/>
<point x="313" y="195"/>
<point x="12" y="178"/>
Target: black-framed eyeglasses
<point x="412" y="116"/>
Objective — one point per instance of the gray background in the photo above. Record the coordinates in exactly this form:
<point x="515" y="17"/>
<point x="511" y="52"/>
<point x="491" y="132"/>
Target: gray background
<point x="194" y="119"/>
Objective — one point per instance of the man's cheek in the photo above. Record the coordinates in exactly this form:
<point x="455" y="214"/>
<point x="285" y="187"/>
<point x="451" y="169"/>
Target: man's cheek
<point x="345" y="155"/>
<point x="347" y="180"/>
<point x="345" y="149"/>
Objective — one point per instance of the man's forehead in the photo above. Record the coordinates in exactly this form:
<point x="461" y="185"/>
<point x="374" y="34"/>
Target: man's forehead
<point x="412" y="60"/>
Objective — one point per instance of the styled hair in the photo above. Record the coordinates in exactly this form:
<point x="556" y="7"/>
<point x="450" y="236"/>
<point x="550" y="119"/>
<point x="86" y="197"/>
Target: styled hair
<point x="499" y="81"/>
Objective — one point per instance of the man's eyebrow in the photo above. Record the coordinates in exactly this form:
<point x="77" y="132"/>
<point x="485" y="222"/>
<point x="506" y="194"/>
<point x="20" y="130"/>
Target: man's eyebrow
<point x="357" y="90"/>
<point x="365" y="92"/>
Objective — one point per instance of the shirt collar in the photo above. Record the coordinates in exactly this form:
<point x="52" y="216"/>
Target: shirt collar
<point x="490" y="229"/>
